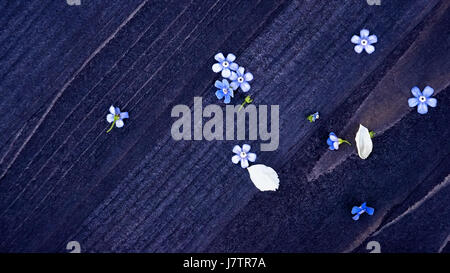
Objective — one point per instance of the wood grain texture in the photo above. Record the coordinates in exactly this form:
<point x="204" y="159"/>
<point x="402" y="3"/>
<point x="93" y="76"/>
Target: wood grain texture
<point x="62" y="178"/>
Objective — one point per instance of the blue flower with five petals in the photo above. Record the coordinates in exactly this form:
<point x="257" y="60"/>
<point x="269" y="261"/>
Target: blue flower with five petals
<point x="224" y="91"/>
<point x="243" y="155"/>
<point x="421" y="100"/>
<point x="225" y="64"/>
<point x="364" y="41"/>
<point x="241" y="79"/>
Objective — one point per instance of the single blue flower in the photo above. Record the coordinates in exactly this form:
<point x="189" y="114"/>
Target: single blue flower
<point x="364" y="41"/>
<point x="116" y="117"/>
<point x="313" y="117"/>
<point x="241" y="79"/>
<point x="360" y="210"/>
<point x="243" y="155"/>
<point x="224" y="91"/>
<point x="225" y="64"/>
<point x="333" y="141"/>
<point x="421" y="100"/>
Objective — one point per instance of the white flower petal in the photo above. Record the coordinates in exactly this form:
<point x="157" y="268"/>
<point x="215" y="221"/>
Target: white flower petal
<point x="245" y="86"/>
<point x="112" y="110"/>
<point x="356" y="40"/>
<point x="359" y="48"/>
<point x="226" y="73"/>
<point x="244" y="163"/>
<point x="248" y="76"/>
<point x="235" y="159"/>
<point x="363" y="142"/>
<point x="119" y="123"/>
<point x="364" y="33"/>
<point x="216" y="67"/>
<point x="369" y="49"/>
<point x="237" y="149"/>
<point x="241" y="70"/>
<point x="231" y="57"/>
<point x="251" y="157"/>
<point x="336" y="145"/>
<point x="110" y="118"/>
<point x="246" y="148"/>
<point x="334" y="138"/>
<point x="372" y="39"/>
<point x="264" y="178"/>
<point x="233" y="76"/>
<point x="219" y="57"/>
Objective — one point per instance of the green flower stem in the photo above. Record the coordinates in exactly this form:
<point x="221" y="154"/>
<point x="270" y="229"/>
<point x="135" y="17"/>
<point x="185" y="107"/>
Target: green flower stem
<point x="344" y="141"/>
<point x="116" y="117"/>
<point x="310" y="118"/>
<point x="372" y="134"/>
<point x="246" y="100"/>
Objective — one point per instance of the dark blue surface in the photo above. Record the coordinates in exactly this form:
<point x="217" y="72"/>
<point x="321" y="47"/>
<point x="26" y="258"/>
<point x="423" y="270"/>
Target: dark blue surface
<point x="62" y="178"/>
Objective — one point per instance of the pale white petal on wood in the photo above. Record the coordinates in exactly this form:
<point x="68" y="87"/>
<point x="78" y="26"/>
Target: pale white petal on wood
<point x="363" y="142"/>
<point x="264" y="178"/>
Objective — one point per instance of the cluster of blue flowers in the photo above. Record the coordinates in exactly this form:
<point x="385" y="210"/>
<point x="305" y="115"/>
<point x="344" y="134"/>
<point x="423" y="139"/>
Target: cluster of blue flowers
<point x="233" y="72"/>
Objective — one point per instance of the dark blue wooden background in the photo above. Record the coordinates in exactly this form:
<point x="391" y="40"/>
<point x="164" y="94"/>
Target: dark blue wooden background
<point x="62" y="178"/>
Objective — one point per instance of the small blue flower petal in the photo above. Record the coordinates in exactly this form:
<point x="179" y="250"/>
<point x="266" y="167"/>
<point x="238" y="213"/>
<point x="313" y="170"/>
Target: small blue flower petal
<point x="413" y="102"/>
<point x="422" y="108"/>
<point x="372" y="39"/>
<point x="218" y="85"/>
<point x="235" y="159"/>
<point x="245" y="86"/>
<point x="428" y="91"/>
<point x="231" y="57"/>
<point x="432" y="102"/>
<point x="244" y="163"/>
<point x="237" y="149"/>
<point x="219" y="94"/>
<point x="356" y="209"/>
<point x="219" y="57"/>
<point x="124" y="115"/>
<point x="234" y="66"/>
<point x="234" y="85"/>
<point x="416" y="92"/>
<point x="246" y="148"/>
<point x="251" y="157"/>
<point x="226" y="73"/>
<point x="364" y="33"/>
<point x="370" y="210"/>
<point x="217" y="67"/>
<point x="248" y="76"/>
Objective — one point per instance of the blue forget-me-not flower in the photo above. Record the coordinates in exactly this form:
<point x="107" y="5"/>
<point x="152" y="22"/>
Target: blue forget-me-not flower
<point x="241" y="79"/>
<point x="226" y="65"/>
<point x="116" y="117"/>
<point x="225" y="91"/>
<point x="360" y="210"/>
<point x="364" y="41"/>
<point x="333" y="141"/>
<point x="422" y="100"/>
<point x="243" y="155"/>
